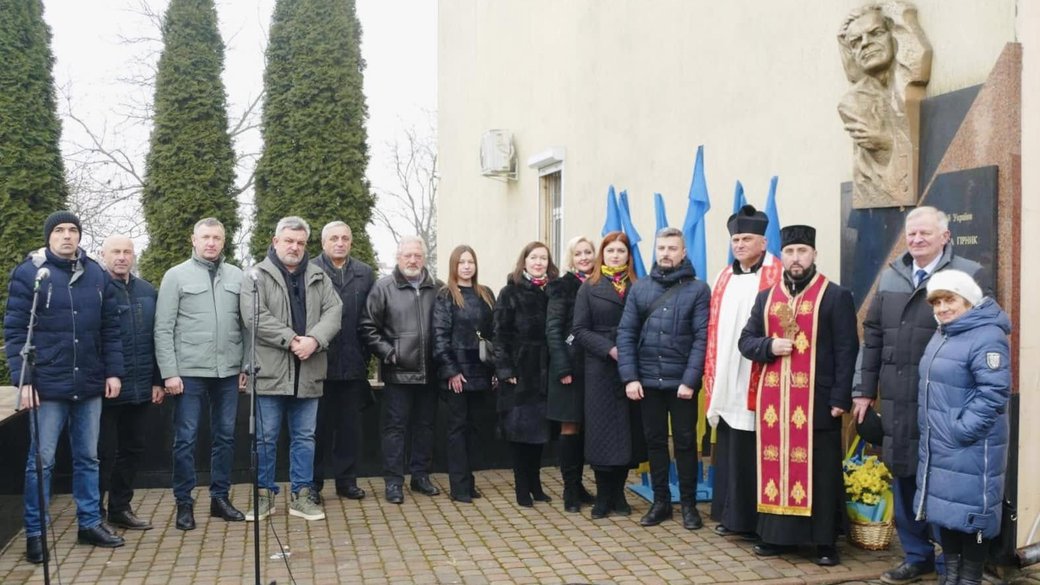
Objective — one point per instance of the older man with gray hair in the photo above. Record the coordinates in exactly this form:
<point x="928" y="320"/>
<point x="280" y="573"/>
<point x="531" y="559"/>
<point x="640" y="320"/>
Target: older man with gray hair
<point x="397" y="325"/>
<point x="297" y="316"/>
<point x="897" y="328"/>
<point x="346" y="385"/>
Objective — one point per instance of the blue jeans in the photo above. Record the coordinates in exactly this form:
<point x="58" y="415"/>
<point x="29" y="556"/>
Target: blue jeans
<point x="302" y="416"/>
<point x="84" y="421"/>
<point x="223" y="407"/>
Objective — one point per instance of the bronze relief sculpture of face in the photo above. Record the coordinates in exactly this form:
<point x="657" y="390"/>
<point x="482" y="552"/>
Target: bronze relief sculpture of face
<point x="887" y="59"/>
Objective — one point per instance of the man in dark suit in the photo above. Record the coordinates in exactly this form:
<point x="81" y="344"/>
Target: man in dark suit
<point x="802" y="337"/>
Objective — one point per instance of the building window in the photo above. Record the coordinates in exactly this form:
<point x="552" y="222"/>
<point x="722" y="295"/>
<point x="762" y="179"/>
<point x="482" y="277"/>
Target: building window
<point x="551" y="188"/>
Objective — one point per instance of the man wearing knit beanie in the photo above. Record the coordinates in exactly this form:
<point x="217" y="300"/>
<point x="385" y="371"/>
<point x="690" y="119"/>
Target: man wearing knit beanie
<point x="79" y="362"/>
<point x="57" y="218"/>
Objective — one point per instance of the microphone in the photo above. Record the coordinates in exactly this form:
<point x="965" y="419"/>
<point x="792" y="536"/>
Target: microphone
<point x="42" y="273"/>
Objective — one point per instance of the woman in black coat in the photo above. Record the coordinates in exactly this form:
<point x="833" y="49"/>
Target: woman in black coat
<point x="566" y="369"/>
<point x="613" y="425"/>
<point x="461" y="316"/>
<point x="521" y="364"/>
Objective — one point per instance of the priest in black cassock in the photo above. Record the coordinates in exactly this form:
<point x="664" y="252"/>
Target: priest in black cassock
<point x="802" y="337"/>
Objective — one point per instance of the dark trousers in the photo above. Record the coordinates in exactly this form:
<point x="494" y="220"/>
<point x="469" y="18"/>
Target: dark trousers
<point x="339" y="432"/>
<point x="462" y="437"/>
<point x="955" y="542"/>
<point x="123" y="429"/>
<point x="913" y="533"/>
<point x="656" y="406"/>
<point x="408" y="409"/>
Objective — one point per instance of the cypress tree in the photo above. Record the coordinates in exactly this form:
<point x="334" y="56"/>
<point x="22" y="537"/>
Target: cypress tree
<point x="32" y="176"/>
<point x="315" y="152"/>
<point x="190" y="170"/>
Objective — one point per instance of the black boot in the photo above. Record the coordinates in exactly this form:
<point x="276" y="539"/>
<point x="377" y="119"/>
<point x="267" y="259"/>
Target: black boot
<point x="34" y="549"/>
<point x="583" y="494"/>
<point x="953" y="570"/>
<point x="971" y="572"/>
<point x="659" y="512"/>
<point x="521" y="482"/>
<point x="534" y="462"/>
<point x="571" y="472"/>
<point x="617" y="495"/>
<point x="601" y="506"/>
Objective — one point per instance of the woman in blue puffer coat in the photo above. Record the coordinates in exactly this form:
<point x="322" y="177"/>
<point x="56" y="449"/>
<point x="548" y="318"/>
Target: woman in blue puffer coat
<point x="963" y="396"/>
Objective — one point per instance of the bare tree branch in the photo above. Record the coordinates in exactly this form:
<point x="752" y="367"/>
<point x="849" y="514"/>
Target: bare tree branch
<point x="410" y="205"/>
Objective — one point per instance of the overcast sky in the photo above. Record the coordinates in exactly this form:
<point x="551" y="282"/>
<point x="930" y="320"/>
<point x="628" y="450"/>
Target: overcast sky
<point x="398" y="44"/>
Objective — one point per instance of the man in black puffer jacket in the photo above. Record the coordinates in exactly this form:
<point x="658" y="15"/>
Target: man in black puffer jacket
<point x="661" y="341"/>
<point x="124" y="418"/>
<point x="79" y="360"/>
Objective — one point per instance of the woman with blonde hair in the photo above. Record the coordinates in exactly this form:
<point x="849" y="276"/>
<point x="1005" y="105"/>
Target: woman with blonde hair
<point x="520" y="364"/>
<point x="566" y="370"/>
<point x="462" y="314"/>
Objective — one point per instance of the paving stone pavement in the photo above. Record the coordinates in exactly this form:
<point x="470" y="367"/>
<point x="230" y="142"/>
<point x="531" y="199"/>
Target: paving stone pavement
<point x="424" y="541"/>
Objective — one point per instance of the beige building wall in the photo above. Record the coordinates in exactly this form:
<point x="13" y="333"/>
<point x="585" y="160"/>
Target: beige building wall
<point x="624" y="92"/>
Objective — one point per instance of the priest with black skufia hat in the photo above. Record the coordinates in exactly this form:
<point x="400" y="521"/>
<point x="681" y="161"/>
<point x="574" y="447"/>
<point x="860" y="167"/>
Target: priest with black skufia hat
<point x="727" y="375"/>
<point x="802" y="338"/>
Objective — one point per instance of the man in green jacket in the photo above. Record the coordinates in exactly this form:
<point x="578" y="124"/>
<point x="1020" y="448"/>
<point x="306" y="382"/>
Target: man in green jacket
<point x="198" y="345"/>
<point x="298" y="313"/>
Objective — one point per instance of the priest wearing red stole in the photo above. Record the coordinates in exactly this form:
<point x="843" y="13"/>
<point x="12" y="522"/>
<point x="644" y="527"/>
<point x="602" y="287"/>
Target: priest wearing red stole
<point x="727" y="375"/>
<point x="802" y="337"/>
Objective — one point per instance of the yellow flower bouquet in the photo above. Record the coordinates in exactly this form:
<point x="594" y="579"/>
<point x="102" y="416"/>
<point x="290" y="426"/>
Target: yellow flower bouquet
<point x="867" y="488"/>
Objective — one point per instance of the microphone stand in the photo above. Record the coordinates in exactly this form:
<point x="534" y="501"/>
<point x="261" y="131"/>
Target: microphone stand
<point x="28" y="354"/>
<point x="254" y="369"/>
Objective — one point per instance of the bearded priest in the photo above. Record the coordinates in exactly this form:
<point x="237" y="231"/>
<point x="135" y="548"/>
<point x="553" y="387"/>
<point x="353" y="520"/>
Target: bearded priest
<point x="802" y="337"/>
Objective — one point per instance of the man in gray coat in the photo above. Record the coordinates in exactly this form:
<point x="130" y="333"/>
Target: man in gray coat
<point x="397" y="325"/>
<point x="198" y="346"/>
<point x="896" y="330"/>
<point x="298" y="314"/>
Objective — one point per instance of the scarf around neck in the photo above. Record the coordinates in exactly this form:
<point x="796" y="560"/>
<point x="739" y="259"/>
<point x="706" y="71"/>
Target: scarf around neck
<point x="540" y="281"/>
<point x="618" y="276"/>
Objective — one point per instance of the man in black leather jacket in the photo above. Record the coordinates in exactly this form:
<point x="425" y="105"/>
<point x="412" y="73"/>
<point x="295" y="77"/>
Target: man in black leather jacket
<point x="397" y="327"/>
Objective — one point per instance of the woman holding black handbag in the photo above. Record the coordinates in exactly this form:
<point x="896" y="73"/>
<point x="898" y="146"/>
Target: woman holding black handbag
<point x="462" y="316"/>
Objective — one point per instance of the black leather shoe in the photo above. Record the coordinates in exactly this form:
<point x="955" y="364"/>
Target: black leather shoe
<point x="691" y="518"/>
<point x="423" y="485"/>
<point x="659" y="512"/>
<point x="475" y="494"/>
<point x="34" y="549"/>
<point x="185" y="517"/>
<point x="222" y="508"/>
<point x="98" y="536"/>
<point x="394" y="494"/>
<point x="723" y="531"/>
<point x="764" y="549"/>
<point x="127" y="519"/>
<point x="906" y="573"/>
<point x="351" y="492"/>
<point x="826" y="555"/>
<point x="462" y="498"/>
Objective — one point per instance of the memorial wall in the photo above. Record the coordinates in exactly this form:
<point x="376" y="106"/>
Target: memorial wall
<point x="625" y="96"/>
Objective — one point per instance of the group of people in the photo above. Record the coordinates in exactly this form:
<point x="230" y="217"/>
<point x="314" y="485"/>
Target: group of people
<point x="609" y="364"/>
<point x="108" y="344"/>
